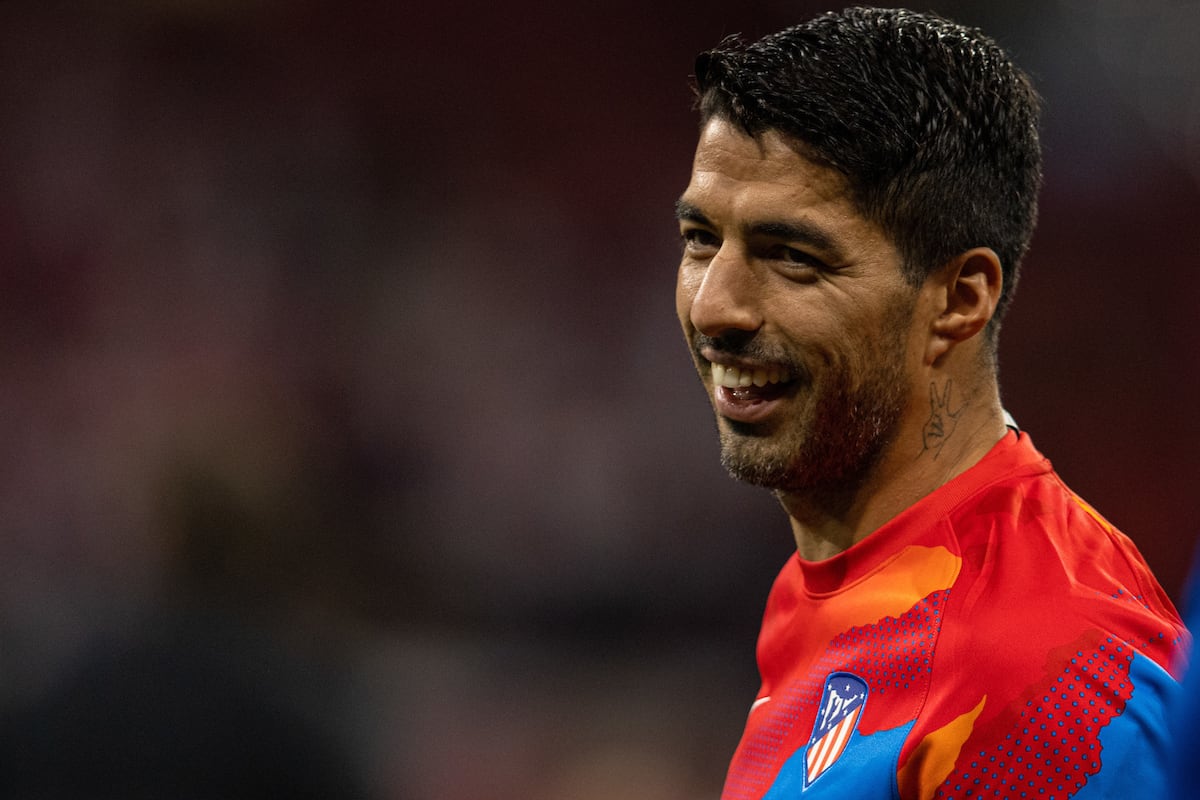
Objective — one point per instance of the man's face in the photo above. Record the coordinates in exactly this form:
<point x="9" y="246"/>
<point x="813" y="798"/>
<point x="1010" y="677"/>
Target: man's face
<point x="799" y="319"/>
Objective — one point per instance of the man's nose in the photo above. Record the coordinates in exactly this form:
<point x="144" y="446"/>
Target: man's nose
<point x="726" y="300"/>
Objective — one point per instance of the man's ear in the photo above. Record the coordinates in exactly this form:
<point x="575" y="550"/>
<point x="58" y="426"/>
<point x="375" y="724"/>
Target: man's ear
<point x="967" y="290"/>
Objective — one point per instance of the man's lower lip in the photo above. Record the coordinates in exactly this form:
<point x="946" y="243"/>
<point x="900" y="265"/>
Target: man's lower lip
<point x="743" y="406"/>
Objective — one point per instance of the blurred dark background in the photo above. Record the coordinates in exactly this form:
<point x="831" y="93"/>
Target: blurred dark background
<point x="350" y="445"/>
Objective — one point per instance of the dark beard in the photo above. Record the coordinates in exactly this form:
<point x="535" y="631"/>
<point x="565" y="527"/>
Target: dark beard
<point x="847" y="435"/>
<point x="838" y="445"/>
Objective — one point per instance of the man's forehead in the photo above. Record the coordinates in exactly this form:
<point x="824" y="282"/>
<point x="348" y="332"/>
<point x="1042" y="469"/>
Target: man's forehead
<point x="729" y="160"/>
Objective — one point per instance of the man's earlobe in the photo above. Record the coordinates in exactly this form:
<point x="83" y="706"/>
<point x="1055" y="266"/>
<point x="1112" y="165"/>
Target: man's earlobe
<point x="969" y="287"/>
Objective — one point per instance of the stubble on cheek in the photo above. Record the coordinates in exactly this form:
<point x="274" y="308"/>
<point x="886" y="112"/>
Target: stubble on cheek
<point x="835" y="430"/>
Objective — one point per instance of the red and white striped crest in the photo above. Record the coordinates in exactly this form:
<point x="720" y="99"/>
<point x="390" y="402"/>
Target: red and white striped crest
<point x="841" y="706"/>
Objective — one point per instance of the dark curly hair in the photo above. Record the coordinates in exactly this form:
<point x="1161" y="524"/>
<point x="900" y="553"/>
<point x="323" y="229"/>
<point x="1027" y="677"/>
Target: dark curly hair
<point x="933" y="126"/>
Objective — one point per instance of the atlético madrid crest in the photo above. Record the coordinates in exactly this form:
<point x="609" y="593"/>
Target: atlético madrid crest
<point x="841" y="707"/>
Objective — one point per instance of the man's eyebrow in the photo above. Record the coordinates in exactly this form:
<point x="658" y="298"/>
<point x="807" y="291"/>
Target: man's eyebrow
<point x="798" y="231"/>
<point x="685" y="210"/>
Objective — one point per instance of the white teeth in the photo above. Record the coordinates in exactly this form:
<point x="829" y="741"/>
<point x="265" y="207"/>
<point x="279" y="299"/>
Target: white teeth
<point x="735" y="377"/>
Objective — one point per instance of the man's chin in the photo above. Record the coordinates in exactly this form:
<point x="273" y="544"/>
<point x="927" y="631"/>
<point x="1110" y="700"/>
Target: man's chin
<point x="766" y="463"/>
<point x="749" y="464"/>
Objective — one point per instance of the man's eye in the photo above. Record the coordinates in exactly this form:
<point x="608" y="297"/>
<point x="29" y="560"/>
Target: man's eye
<point x="699" y="239"/>
<point x="799" y="257"/>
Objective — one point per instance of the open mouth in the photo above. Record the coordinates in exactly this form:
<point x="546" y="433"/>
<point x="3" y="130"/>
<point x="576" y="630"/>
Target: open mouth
<point x="739" y="378"/>
<point x="747" y="394"/>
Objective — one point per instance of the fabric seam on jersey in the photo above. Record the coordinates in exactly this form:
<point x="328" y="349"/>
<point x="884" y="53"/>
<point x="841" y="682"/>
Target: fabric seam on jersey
<point x="1145" y="593"/>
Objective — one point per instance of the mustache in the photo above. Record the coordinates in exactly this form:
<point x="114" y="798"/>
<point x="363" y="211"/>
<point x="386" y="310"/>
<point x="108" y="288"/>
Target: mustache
<point x="749" y="348"/>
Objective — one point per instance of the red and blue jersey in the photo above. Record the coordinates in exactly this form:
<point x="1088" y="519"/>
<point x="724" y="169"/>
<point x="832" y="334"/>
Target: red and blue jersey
<point x="997" y="639"/>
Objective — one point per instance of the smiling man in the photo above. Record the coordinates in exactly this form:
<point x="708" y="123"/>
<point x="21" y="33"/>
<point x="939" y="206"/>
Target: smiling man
<point x="955" y="622"/>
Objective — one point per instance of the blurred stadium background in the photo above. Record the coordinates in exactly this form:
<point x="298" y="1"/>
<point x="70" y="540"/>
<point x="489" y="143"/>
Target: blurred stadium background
<point x="350" y="446"/>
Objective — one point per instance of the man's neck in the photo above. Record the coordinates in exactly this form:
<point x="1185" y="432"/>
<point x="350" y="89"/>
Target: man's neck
<point x="926" y="454"/>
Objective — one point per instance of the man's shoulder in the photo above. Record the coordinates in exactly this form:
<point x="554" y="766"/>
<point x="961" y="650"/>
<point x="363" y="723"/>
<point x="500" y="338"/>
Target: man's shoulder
<point x="1045" y="576"/>
<point x="1030" y="531"/>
